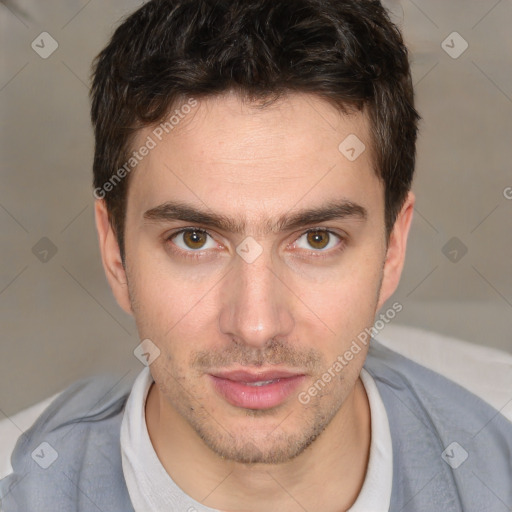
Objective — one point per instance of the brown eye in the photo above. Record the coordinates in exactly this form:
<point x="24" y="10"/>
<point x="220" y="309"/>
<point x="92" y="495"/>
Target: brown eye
<point x="318" y="239"/>
<point x="192" y="239"/>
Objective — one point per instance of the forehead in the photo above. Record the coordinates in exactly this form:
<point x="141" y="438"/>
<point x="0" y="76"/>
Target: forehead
<point x="233" y="157"/>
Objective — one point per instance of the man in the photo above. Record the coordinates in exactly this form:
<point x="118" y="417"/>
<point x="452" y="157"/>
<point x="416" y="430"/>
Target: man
<point x="252" y="176"/>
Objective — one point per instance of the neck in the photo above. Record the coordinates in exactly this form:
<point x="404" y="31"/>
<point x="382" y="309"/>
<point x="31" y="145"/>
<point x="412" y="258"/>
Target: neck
<point x="304" y="483"/>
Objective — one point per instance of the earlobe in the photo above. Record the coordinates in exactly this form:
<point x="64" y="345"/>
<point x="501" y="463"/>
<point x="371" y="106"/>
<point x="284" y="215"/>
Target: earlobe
<point x="111" y="257"/>
<point x="395" y="256"/>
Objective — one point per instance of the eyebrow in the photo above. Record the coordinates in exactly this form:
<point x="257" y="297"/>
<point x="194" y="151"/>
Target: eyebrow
<point x="336" y="210"/>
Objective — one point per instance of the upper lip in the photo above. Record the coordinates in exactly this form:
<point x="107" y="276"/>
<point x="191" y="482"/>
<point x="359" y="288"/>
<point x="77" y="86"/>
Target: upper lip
<point x="255" y="376"/>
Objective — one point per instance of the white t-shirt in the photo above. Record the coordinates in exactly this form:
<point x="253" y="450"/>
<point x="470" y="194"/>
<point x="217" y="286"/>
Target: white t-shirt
<point x="152" y="489"/>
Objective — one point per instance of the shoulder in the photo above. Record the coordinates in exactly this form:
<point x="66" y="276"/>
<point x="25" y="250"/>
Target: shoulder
<point x="434" y="397"/>
<point x="441" y="428"/>
<point x="86" y="401"/>
<point x="73" y="444"/>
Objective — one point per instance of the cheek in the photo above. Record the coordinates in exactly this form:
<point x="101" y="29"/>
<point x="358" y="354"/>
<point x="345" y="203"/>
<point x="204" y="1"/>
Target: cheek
<point x="166" y="297"/>
<point x="346" y="298"/>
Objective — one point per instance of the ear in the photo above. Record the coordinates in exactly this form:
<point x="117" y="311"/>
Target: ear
<point x="111" y="257"/>
<point x="395" y="255"/>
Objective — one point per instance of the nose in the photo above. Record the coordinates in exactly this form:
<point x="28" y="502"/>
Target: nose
<point x="256" y="304"/>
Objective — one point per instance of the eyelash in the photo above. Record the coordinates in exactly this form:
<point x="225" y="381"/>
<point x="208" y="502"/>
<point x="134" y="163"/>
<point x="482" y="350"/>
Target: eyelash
<point x="199" y="253"/>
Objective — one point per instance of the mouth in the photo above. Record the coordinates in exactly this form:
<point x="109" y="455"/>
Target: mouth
<point x="256" y="390"/>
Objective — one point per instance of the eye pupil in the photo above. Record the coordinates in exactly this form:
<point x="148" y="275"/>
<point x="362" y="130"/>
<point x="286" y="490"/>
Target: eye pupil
<point x="318" y="239"/>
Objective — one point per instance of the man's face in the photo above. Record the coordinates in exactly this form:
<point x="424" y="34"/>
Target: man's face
<point x="244" y="325"/>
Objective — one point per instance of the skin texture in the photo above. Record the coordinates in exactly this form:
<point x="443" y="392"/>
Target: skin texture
<point x="290" y="309"/>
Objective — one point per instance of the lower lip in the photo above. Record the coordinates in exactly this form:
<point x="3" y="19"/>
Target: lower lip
<point x="257" y="397"/>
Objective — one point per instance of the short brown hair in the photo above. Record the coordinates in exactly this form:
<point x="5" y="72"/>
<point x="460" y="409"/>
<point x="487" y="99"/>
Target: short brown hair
<point x="345" y="51"/>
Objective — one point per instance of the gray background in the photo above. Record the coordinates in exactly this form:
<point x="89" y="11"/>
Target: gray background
<point x="59" y="319"/>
